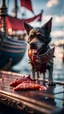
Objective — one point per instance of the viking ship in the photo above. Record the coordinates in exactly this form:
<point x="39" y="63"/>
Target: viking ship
<point x="12" y="49"/>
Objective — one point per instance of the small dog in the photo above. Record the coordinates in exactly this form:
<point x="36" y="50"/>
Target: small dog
<point x="39" y="39"/>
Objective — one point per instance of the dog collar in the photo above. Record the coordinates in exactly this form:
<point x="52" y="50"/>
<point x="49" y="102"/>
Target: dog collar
<point x="40" y="61"/>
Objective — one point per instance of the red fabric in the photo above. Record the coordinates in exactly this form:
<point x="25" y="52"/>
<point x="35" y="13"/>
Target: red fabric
<point x="18" y="24"/>
<point x="27" y="4"/>
<point x="43" y="66"/>
<point x="1" y="21"/>
<point x="0" y="25"/>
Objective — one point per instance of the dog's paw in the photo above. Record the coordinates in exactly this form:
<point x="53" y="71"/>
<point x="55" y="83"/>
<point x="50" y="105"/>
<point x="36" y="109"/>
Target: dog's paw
<point x="51" y="83"/>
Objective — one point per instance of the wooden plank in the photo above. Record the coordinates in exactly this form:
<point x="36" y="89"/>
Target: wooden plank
<point x="50" y="96"/>
<point x="27" y="99"/>
<point x="57" y="82"/>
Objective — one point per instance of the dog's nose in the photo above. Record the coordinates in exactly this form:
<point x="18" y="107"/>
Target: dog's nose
<point x="33" y="45"/>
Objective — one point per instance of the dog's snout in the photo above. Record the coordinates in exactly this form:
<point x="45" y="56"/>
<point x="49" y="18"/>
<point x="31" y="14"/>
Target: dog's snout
<point x="33" y="45"/>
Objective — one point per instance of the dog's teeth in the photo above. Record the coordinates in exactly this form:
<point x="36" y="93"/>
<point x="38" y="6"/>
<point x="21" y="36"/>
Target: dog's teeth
<point x="34" y="51"/>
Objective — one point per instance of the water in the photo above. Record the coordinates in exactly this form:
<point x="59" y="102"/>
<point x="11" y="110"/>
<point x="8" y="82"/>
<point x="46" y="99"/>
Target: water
<point x="58" y="73"/>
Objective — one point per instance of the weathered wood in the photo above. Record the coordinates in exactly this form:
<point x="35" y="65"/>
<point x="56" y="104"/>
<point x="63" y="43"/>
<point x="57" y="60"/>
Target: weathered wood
<point x="48" y="101"/>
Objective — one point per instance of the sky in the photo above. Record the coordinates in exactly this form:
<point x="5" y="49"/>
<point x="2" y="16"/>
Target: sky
<point x="51" y="8"/>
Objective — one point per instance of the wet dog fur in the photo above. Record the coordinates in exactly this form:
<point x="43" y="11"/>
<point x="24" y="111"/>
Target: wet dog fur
<point x="39" y="39"/>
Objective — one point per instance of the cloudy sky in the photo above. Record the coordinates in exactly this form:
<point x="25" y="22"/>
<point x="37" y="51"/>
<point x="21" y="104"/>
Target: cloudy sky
<point x="51" y="8"/>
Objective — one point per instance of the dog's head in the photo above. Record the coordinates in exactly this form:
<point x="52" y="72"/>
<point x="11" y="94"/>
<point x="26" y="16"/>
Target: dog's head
<point x="39" y="37"/>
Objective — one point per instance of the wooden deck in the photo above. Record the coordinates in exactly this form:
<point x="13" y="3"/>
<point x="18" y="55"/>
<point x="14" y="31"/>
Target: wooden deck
<point x="50" y="101"/>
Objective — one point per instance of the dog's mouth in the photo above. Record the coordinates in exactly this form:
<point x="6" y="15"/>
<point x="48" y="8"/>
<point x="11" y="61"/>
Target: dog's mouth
<point x="39" y="51"/>
<point x="34" y="51"/>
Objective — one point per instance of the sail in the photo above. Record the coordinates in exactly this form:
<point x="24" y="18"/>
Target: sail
<point x="27" y="4"/>
<point x="18" y="24"/>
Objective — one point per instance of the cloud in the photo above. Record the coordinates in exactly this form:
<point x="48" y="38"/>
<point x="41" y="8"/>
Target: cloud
<point x="57" y="23"/>
<point x="57" y="20"/>
<point x="35" y="23"/>
<point x="50" y="3"/>
<point x="57" y="33"/>
<point x="46" y="18"/>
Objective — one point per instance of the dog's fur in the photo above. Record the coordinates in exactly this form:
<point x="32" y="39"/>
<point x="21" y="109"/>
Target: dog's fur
<point x="39" y="39"/>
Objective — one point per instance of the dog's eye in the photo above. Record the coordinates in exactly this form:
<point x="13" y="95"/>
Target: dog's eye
<point x="39" y="36"/>
<point x="31" y="36"/>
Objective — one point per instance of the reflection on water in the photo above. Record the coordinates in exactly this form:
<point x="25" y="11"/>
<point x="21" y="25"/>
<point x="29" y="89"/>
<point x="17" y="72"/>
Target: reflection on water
<point x="24" y="68"/>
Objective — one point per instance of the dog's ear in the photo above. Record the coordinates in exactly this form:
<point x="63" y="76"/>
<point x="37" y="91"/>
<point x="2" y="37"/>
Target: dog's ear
<point x="47" y="26"/>
<point x="27" y="27"/>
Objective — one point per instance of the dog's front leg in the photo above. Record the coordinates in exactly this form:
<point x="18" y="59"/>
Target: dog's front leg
<point x="33" y="71"/>
<point x="37" y="75"/>
<point x="50" y="82"/>
<point x="51" y="74"/>
<point x="43" y="77"/>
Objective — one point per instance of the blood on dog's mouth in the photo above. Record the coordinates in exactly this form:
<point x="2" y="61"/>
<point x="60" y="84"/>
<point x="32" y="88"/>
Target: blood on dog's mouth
<point x="32" y="52"/>
<point x="34" y="49"/>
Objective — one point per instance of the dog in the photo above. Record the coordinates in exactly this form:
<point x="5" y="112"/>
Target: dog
<point x="38" y="45"/>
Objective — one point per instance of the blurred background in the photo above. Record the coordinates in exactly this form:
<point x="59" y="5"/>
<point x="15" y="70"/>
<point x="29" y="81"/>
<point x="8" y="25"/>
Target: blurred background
<point x="39" y="11"/>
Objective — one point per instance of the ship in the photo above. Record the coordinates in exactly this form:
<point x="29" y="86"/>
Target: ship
<point x="13" y="47"/>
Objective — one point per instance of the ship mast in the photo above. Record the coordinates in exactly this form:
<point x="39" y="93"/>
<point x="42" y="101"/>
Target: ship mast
<point x="15" y="15"/>
<point x="3" y="13"/>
